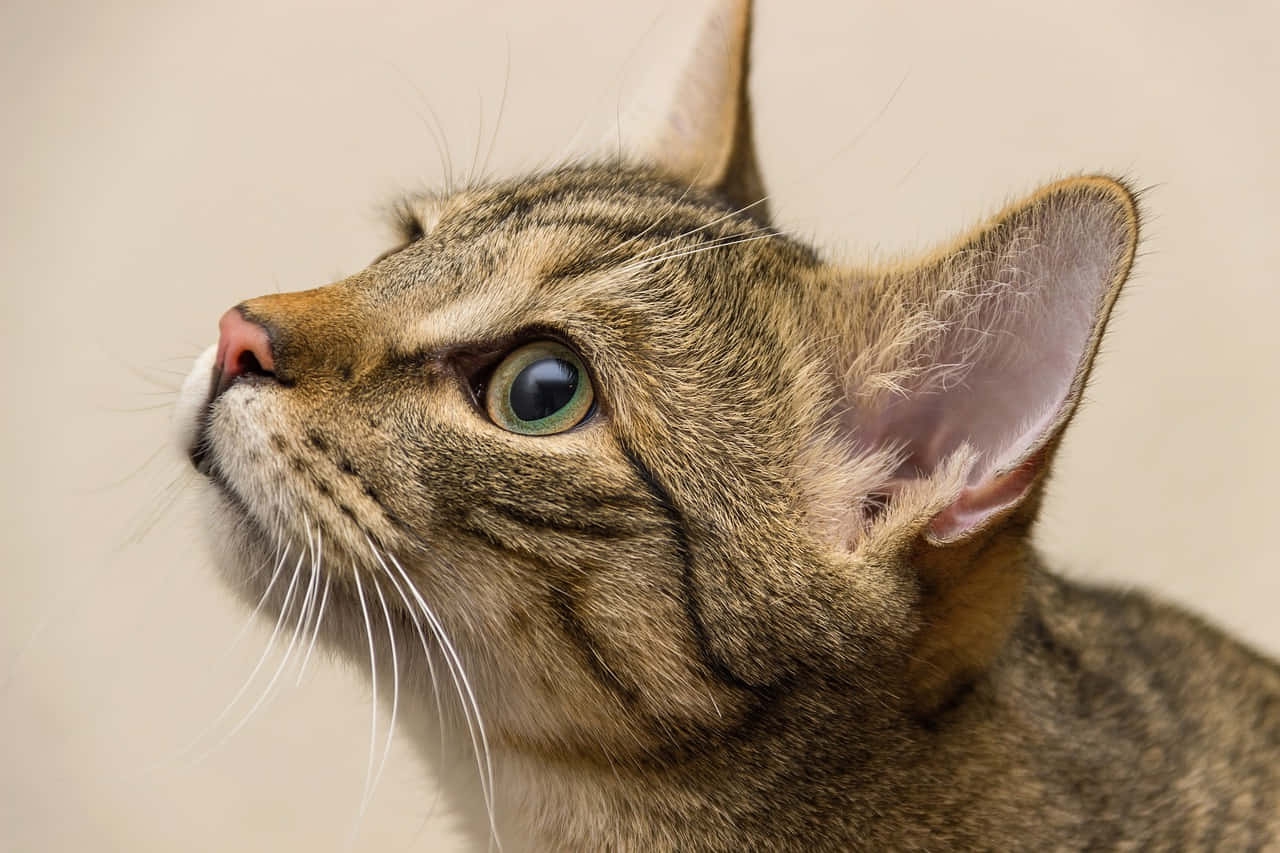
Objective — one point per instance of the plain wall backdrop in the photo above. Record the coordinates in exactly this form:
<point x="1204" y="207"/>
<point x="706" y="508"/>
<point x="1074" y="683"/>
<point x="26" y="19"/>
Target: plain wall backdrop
<point x="160" y="162"/>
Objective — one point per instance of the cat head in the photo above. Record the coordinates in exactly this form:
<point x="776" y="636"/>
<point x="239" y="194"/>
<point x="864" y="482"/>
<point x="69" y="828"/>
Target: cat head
<point x="644" y="459"/>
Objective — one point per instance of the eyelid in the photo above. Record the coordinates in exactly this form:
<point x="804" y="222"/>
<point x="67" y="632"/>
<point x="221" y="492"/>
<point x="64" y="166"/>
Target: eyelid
<point x="474" y="369"/>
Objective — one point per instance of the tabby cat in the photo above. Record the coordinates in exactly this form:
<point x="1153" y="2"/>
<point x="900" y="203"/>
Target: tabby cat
<point x="691" y="539"/>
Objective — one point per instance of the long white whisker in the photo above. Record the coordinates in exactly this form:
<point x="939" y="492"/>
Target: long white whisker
<point x="458" y="673"/>
<point x="656" y="222"/>
<point x="710" y="243"/>
<point x="313" y="588"/>
<point x="284" y="660"/>
<point x="648" y="262"/>
<point x="373" y="671"/>
<point x="422" y="637"/>
<point x="395" y="690"/>
<point x="677" y="252"/>
<point x="288" y="596"/>
<point x="324" y="599"/>
<point x="453" y="673"/>
<point x="702" y="227"/>
<point x="470" y="710"/>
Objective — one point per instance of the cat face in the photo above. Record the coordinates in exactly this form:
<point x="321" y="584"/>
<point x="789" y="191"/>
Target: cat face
<point x="637" y="460"/>
<point x="560" y="559"/>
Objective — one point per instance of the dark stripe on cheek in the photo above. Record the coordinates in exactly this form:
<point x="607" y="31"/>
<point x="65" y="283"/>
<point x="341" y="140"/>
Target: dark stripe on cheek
<point x="566" y="609"/>
<point x="680" y="537"/>
<point x="564" y="604"/>
<point x="585" y="526"/>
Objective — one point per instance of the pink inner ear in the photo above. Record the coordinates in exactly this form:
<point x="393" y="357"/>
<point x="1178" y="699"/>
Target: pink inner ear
<point x="978" y="503"/>
<point x="1014" y="318"/>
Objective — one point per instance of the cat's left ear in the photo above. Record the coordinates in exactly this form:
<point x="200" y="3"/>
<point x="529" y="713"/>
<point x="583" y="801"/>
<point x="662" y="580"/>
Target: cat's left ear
<point x="968" y="367"/>
<point x="978" y="356"/>
<point x="704" y="138"/>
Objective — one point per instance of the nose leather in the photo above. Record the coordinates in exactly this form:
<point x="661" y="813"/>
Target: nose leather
<point x="244" y="347"/>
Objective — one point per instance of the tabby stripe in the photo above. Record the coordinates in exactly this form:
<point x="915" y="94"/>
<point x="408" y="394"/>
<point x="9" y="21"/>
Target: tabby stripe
<point x="584" y="527"/>
<point x="464" y="525"/>
<point x="693" y="611"/>
<point x="524" y="204"/>
<point x="566" y="608"/>
<point x="646" y="230"/>
<point x="669" y="749"/>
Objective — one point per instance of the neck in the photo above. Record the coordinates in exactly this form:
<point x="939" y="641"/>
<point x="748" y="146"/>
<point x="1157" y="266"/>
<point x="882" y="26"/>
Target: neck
<point x="775" y="768"/>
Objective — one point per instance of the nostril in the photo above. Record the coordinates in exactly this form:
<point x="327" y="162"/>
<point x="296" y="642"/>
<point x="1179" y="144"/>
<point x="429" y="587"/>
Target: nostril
<point x="244" y="349"/>
<point x="248" y="363"/>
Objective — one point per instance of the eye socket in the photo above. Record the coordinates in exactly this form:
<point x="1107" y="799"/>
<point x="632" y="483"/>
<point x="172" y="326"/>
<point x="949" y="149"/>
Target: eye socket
<point x="542" y="388"/>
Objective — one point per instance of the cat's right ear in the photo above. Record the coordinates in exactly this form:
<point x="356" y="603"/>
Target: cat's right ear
<point x="704" y="136"/>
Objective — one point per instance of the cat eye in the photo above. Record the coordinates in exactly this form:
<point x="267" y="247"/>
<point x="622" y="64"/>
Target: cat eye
<point x="542" y="388"/>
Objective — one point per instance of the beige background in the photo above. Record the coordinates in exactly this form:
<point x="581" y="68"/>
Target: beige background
<point x="159" y="163"/>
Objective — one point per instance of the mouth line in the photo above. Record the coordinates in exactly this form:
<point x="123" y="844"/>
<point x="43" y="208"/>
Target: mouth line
<point x="229" y="494"/>
<point x="200" y="451"/>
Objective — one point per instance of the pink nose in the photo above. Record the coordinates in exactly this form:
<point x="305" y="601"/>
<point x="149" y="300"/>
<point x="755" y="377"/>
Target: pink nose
<point x="243" y="348"/>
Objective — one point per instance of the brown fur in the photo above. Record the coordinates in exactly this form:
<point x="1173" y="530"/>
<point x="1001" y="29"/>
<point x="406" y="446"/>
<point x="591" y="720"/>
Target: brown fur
<point x="725" y="613"/>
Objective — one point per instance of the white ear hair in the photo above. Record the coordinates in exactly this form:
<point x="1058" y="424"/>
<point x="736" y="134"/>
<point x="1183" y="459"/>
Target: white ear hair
<point x="1009" y="321"/>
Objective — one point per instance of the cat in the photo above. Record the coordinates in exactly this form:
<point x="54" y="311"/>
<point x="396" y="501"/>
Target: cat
<point x="694" y="540"/>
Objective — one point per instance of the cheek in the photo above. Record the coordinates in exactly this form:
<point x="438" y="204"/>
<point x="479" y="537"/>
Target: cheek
<point x="244" y="559"/>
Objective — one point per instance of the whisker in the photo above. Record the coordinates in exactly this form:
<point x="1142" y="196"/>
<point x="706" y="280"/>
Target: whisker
<point x="453" y="673"/>
<point x="649" y="262"/>
<point x="617" y="83"/>
<point x="134" y="410"/>
<point x="395" y="690"/>
<point x="436" y="129"/>
<point x="475" y="152"/>
<point x="702" y="227"/>
<point x="68" y="592"/>
<point x="453" y="664"/>
<point x="284" y="661"/>
<point x="284" y="607"/>
<point x="823" y="167"/>
<point x="324" y="599"/>
<point x="465" y="693"/>
<point x="502" y="106"/>
<point x="275" y="575"/>
<point x="656" y="222"/>
<point x="313" y="587"/>
<point x="459" y="675"/>
<point x="159" y="507"/>
<point x="417" y="625"/>
<point x="139" y="372"/>
<point x="373" y="716"/>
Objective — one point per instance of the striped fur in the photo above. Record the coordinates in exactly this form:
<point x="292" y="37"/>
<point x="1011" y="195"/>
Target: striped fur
<point x="725" y="613"/>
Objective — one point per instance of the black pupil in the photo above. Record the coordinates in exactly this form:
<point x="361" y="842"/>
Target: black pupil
<point x="543" y="388"/>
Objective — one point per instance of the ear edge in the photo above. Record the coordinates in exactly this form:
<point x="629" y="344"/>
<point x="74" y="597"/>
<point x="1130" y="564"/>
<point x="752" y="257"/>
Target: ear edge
<point x="1103" y="187"/>
<point x="1026" y="473"/>
<point x="706" y="138"/>
<point x="1097" y="205"/>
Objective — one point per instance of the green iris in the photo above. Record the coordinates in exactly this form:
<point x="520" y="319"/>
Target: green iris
<point x="539" y="389"/>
